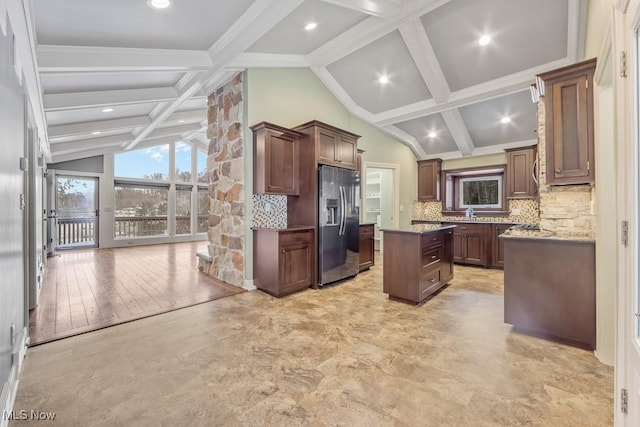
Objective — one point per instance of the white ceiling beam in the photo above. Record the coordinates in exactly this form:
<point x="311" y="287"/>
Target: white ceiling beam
<point x="188" y="115"/>
<point x="267" y="60"/>
<point x="407" y="139"/>
<point x="68" y="59"/>
<point x="499" y="148"/>
<point x="89" y="143"/>
<point x="259" y="18"/>
<point x="81" y="100"/>
<point x="98" y="125"/>
<point x="367" y="31"/>
<point x="421" y="50"/>
<point x="379" y="8"/>
<point x="507" y="85"/>
<point x="459" y="131"/>
<point x="91" y="151"/>
<point x="173" y="131"/>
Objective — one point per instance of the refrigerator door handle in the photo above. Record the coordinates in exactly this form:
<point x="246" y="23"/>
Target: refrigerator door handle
<point x="343" y="210"/>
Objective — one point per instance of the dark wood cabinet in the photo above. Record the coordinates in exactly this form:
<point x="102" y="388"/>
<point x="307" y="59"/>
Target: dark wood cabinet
<point x="429" y="180"/>
<point x="335" y="147"/>
<point x="522" y="172"/>
<point x="568" y="99"/>
<point x="498" y="244"/>
<point x="276" y="159"/>
<point x="367" y="252"/>
<point x="416" y="265"/>
<point x="550" y="289"/>
<point x="471" y="243"/>
<point x="284" y="260"/>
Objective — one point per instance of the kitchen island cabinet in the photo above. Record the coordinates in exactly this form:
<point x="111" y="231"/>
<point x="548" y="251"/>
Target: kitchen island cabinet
<point x="417" y="261"/>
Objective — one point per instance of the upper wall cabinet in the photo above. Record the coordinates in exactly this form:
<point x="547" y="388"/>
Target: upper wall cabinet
<point x="276" y="159"/>
<point x="429" y="180"/>
<point x="522" y="173"/>
<point x="568" y="102"/>
<point x="336" y="147"/>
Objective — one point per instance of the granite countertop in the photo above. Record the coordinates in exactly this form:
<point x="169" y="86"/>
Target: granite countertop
<point x="419" y="228"/>
<point x="292" y="228"/>
<point x="514" y="233"/>
<point x="463" y="221"/>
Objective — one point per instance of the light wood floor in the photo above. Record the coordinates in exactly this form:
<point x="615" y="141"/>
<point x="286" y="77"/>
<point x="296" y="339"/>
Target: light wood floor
<point x="340" y="356"/>
<point x="89" y="289"/>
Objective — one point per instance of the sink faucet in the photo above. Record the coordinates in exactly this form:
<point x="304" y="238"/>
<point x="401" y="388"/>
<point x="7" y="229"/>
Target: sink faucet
<point x="469" y="213"/>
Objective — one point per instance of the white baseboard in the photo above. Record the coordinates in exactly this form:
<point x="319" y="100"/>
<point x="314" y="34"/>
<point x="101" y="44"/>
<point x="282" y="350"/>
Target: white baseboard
<point x="248" y="285"/>
<point x="10" y="388"/>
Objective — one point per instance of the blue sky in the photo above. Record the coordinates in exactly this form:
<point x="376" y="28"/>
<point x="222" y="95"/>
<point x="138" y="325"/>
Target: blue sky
<point x="145" y="162"/>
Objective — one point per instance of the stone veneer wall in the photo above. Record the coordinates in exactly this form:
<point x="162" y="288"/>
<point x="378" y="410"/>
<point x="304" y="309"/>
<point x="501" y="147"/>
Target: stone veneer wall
<point x="432" y="211"/>
<point x="225" y="164"/>
<point x="565" y="210"/>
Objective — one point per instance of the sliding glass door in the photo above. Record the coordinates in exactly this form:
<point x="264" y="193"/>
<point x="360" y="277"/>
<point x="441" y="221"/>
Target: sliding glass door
<point x="76" y="212"/>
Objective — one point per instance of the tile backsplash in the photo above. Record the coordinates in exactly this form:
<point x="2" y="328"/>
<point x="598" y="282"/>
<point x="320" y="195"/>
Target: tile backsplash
<point x="526" y="209"/>
<point x="269" y="211"/>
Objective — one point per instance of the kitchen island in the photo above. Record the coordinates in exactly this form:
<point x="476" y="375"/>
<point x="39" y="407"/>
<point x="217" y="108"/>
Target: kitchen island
<point x="417" y="261"/>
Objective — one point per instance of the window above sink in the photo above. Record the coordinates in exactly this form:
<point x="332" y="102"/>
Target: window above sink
<point x="481" y="189"/>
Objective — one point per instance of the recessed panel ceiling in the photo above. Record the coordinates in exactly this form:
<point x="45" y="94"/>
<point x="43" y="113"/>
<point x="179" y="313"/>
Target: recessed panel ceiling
<point x="358" y="74"/>
<point x="87" y="82"/>
<point x="420" y="129"/>
<point x="61" y="139"/>
<point x="194" y="104"/>
<point x="524" y="33"/>
<point x="290" y="37"/>
<point x="483" y="120"/>
<point x="93" y="114"/>
<point x="131" y="23"/>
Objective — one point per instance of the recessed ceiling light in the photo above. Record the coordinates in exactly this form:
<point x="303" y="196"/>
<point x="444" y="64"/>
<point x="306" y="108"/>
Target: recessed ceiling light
<point x="159" y="4"/>
<point x="96" y="133"/>
<point x="107" y="110"/>
<point x="383" y="79"/>
<point x="484" y="40"/>
<point x="432" y="134"/>
<point x="505" y="120"/>
<point x="310" y="26"/>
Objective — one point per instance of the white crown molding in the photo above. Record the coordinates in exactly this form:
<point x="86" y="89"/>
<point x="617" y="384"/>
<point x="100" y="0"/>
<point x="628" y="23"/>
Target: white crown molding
<point x="449" y="155"/>
<point x="81" y="100"/>
<point x="335" y="88"/>
<point x="421" y="50"/>
<point x="576" y="30"/>
<point x="605" y="52"/>
<point x="267" y="60"/>
<point x="366" y="32"/>
<point x="68" y="59"/>
<point x="622" y="5"/>
<point x="405" y="138"/>
<point x="459" y="131"/>
<point x="499" y="148"/>
<point x="379" y="8"/>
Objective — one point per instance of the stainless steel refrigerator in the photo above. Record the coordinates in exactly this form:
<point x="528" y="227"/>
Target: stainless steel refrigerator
<point x="338" y="243"/>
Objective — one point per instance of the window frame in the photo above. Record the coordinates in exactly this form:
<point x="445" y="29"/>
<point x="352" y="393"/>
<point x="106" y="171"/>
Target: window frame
<point x="452" y="194"/>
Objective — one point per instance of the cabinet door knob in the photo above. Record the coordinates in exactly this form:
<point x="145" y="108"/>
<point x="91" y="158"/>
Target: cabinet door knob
<point x="558" y="170"/>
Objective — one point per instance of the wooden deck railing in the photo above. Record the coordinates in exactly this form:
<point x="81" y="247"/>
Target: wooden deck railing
<point x="72" y="231"/>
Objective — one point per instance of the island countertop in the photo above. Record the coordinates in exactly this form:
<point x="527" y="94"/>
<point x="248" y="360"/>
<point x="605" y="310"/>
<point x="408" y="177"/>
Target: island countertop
<point x="419" y="228"/>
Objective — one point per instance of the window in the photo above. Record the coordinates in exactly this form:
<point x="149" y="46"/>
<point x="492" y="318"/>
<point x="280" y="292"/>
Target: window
<point x="480" y="192"/>
<point x="202" y="167"/>
<point x="203" y="210"/>
<point x="141" y="210"/>
<point x="183" y="209"/>
<point x="479" y="188"/>
<point x="151" y="163"/>
<point x="183" y="162"/>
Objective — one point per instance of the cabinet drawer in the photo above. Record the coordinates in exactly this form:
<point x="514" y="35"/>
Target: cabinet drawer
<point x="469" y="228"/>
<point x="429" y="280"/>
<point x="431" y="257"/>
<point x="430" y="239"/>
<point x="295" y="237"/>
<point x="366" y="231"/>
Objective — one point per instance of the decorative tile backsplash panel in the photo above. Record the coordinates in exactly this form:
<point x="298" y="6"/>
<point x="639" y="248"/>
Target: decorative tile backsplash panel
<point x="269" y="211"/>
<point x="526" y="209"/>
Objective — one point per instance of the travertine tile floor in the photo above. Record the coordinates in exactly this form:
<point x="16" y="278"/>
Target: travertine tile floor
<point x="342" y="355"/>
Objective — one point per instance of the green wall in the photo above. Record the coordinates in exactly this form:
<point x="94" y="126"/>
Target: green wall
<point x="292" y="96"/>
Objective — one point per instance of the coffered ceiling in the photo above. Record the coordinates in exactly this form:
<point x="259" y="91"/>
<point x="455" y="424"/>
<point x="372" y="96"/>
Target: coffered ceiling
<point x="120" y="75"/>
